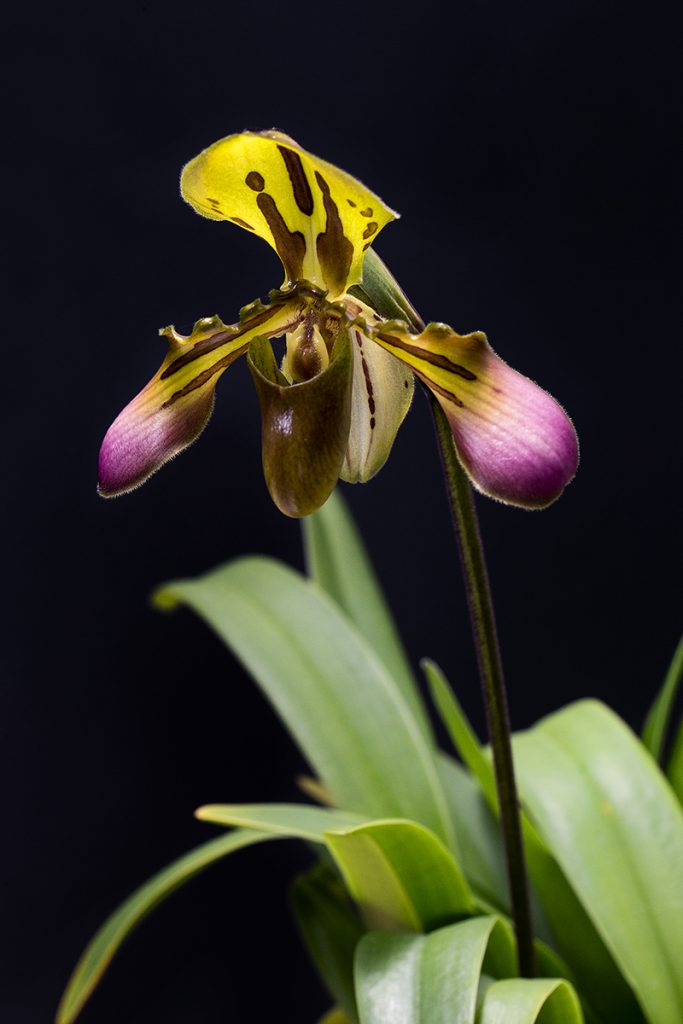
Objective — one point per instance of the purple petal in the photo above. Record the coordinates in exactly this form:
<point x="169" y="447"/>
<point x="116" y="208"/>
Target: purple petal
<point x="515" y="441"/>
<point x="145" y="435"/>
<point x="172" y="410"/>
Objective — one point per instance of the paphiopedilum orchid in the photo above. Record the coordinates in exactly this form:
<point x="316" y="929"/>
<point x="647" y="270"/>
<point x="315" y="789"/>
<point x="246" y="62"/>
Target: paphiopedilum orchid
<point x="333" y="407"/>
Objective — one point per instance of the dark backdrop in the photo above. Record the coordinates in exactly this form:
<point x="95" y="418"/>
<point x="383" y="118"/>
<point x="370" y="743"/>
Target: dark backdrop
<point x="529" y="148"/>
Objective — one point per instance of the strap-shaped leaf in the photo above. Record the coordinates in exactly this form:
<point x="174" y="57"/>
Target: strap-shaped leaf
<point x="401" y="875"/>
<point x="330" y="930"/>
<point x="462" y="734"/>
<point x="336" y="1016"/>
<point x="659" y="716"/>
<point x="616" y="830"/>
<point x="328" y="685"/>
<point x="530" y="1001"/>
<point x="481" y="852"/>
<point x="430" y="979"/>
<point x="675" y="766"/>
<point x="574" y="934"/>
<point x="484" y="865"/>
<point x="105" y="943"/>
<point x="446" y="978"/>
<point x="292" y="821"/>
<point x="337" y="560"/>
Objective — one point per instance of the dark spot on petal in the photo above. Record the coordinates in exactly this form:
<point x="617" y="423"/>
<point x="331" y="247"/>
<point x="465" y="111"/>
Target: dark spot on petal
<point x="290" y="245"/>
<point x="201" y="379"/>
<point x="367" y="212"/>
<point x="215" y="341"/>
<point x="370" y="229"/>
<point x="351" y="202"/>
<point x="242" y="223"/>
<point x="297" y="175"/>
<point x="368" y="381"/>
<point x="444" y="392"/>
<point x="335" y="251"/>
<point x="255" y="181"/>
<point x="434" y="358"/>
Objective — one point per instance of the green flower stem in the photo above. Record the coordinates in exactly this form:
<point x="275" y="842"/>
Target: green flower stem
<point x="492" y="682"/>
<point x="381" y="290"/>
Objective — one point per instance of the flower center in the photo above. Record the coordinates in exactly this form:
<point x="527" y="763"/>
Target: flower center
<point x="307" y="354"/>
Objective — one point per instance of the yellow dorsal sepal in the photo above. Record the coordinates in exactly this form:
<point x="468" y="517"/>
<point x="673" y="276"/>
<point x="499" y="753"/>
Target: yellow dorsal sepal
<point x="319" y="219"/>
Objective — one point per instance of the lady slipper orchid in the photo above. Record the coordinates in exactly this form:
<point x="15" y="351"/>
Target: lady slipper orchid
<point x="334" y="406"/>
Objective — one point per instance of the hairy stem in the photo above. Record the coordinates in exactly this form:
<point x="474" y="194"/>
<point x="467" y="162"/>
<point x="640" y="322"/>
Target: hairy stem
<point x="381" y="290"/>
<point x="492" y="681"/>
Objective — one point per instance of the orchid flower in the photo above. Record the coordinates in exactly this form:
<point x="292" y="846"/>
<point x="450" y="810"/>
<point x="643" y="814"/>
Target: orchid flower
<point x="334" y="406"/>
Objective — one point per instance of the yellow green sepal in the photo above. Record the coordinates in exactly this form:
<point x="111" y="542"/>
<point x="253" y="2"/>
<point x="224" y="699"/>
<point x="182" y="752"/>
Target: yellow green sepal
<point x="320" y="220"/>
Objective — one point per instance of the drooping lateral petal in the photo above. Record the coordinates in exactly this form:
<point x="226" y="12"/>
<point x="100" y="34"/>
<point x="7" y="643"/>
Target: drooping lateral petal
<point x="305" y="427"/>
<point x="515" y="441"/>
<point x="319" y="219"/>
<point x="172" y="410"/>
<point x="382" y="392"/>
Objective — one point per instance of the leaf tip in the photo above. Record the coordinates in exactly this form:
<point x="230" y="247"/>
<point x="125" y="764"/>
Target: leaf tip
<point x="164" y="600"/>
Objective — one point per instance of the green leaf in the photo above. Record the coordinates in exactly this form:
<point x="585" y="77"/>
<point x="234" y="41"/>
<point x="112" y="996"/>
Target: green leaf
<point x="598" y="978"/>
<point x="330" y="930"/>
<point x="430" y="979"/>
<point x="675" y="767"/>
<point x="401" y="875"/>
<point x="328" y="685"/>
<point x="481" y="852"/>
<point x="338" y="562"/>
<point x="105" y="943"/>
<point x="574" y="934"/>
<point x="461" y="732"/>
<point x="380" y="289"/>
<point x="658" y="718"/>
<point x="292" y="821"/>
<point x="447" y="977"/>
<point x="613" y="825"/>
<point x="335" y="1016"/>
<point x="530" y="1001"/>
<point x="484" y="865"/>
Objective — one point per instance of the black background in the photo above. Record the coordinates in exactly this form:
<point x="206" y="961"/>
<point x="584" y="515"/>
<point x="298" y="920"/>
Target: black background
<point x="529" y="148"/>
